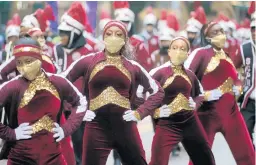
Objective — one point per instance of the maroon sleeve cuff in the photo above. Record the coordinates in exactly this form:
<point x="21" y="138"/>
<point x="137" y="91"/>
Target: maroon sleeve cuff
<point x="73" y="123"/>
<point x="7" y="133"/>
<point x="153" y="102"/>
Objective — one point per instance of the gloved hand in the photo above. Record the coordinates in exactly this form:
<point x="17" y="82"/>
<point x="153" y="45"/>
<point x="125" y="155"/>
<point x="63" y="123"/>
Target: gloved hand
<point x="192" y="103"/>
<point x="236" y="90"/>
<point x="89" y="115"/>
<point x="24" y="131"/>
<point x="212" y="95"/>
<point x="131" y="115"/>
<point x="165" y="111"/>
<point x="58" y="132"/>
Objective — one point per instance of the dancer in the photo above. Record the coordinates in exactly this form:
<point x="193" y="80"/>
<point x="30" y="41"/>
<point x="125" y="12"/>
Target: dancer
<point x="219" y="112"/>
<point x="111" y="82"/>
<point x="176" y="119"/>
<point x="35" y="100"/>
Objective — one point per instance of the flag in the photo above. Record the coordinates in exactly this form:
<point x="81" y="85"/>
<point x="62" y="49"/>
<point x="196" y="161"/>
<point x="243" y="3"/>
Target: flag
<point x="91" y="10"/>
<point x="54" y="24"/>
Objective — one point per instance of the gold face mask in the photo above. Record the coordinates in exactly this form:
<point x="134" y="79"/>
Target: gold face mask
<point x="30" y="71"/>
<point x="219" y="41"/>
<point x="114" y="44"/>
<point x="177" y="57"/>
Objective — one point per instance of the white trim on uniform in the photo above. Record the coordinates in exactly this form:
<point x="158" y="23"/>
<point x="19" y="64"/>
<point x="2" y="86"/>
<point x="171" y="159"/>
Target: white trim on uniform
<point x="67" y="18"/>
<point x="87" y="46"/>
<point x="5" y="83"/>
<point x="190" y="58"/>
<point x="5" y="64"/>
<point x="153" y="71"/>
<point x="66" y="72"/>
<point x="152" y="82"/>
<point x="138" y="37"/>
<point x="65" y="60"/>
<point x="241" y="50"/>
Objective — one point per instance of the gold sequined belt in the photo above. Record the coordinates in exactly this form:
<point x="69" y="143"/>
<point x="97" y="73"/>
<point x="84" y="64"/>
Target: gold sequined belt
<point x="226" y="87"/>
<point x="45" y="123"/>
<point x="109" y="96"/>
<point x="179" y="103"/>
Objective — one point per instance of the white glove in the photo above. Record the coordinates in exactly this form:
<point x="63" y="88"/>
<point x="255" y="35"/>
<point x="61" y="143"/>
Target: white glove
<point x="130" y="116"/>
<point x="236" y="90"/>
<point x="58" y="132"/>
<point x="89" y="115"/>
<point x="192" y="104"/>
<point x="214" y="94"/>
<point x="165" y="111"/>
<point x="24" y="131"/>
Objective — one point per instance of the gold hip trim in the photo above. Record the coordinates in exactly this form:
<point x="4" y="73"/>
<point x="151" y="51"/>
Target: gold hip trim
<point x="45" y="123"/>
<point x="227" y="86"/>
<point x="109" y="96"/>
<point x="179" y="103"/>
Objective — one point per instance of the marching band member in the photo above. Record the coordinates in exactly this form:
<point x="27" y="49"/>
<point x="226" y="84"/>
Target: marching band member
<point x="231" y="44"/>
<point x="218" y="76"/>
<point x="111" y="81"/>
<point x="104" y="19"/>
<point x="9" y="66"/>
<point x="176" y="119"/>
<point x="124" y="14"/>
<point x="36" y="98"/>
<point x="246" y="59"/>
<point x="167" y="33"/>
<point x="38" y="36"/>
<point x="12" y="35"/>
<point x="162" y="22"/>
<point x="39" y="19"/>
<point x="73" y="46"/>
<point x="194" y="25"/>
<point x="159" y="57"/>
<point x="149" y="33"/>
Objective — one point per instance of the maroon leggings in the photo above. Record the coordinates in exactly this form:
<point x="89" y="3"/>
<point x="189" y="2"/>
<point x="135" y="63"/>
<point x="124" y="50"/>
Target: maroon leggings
<point x="109" y="131"/>
<point x="189" y="131"/>
<point x="41" y="149"/>
<point x="224" y="116"/>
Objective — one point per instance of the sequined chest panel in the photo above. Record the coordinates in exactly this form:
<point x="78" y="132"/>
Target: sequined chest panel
<point x="177" y="72"/>
<point x="40" y="83"/>
<point x="220" y="73"/>
<point x="215" y="61"/>
<point x="40" y="105"/>
<point x="109" y="83"/>
<point x="177" y="90"/>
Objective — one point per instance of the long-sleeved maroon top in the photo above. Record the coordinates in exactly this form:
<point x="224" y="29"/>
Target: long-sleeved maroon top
<point x="124" y="78"/>
<point x="176" y="82"/>
<point x="12" y="93"/>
